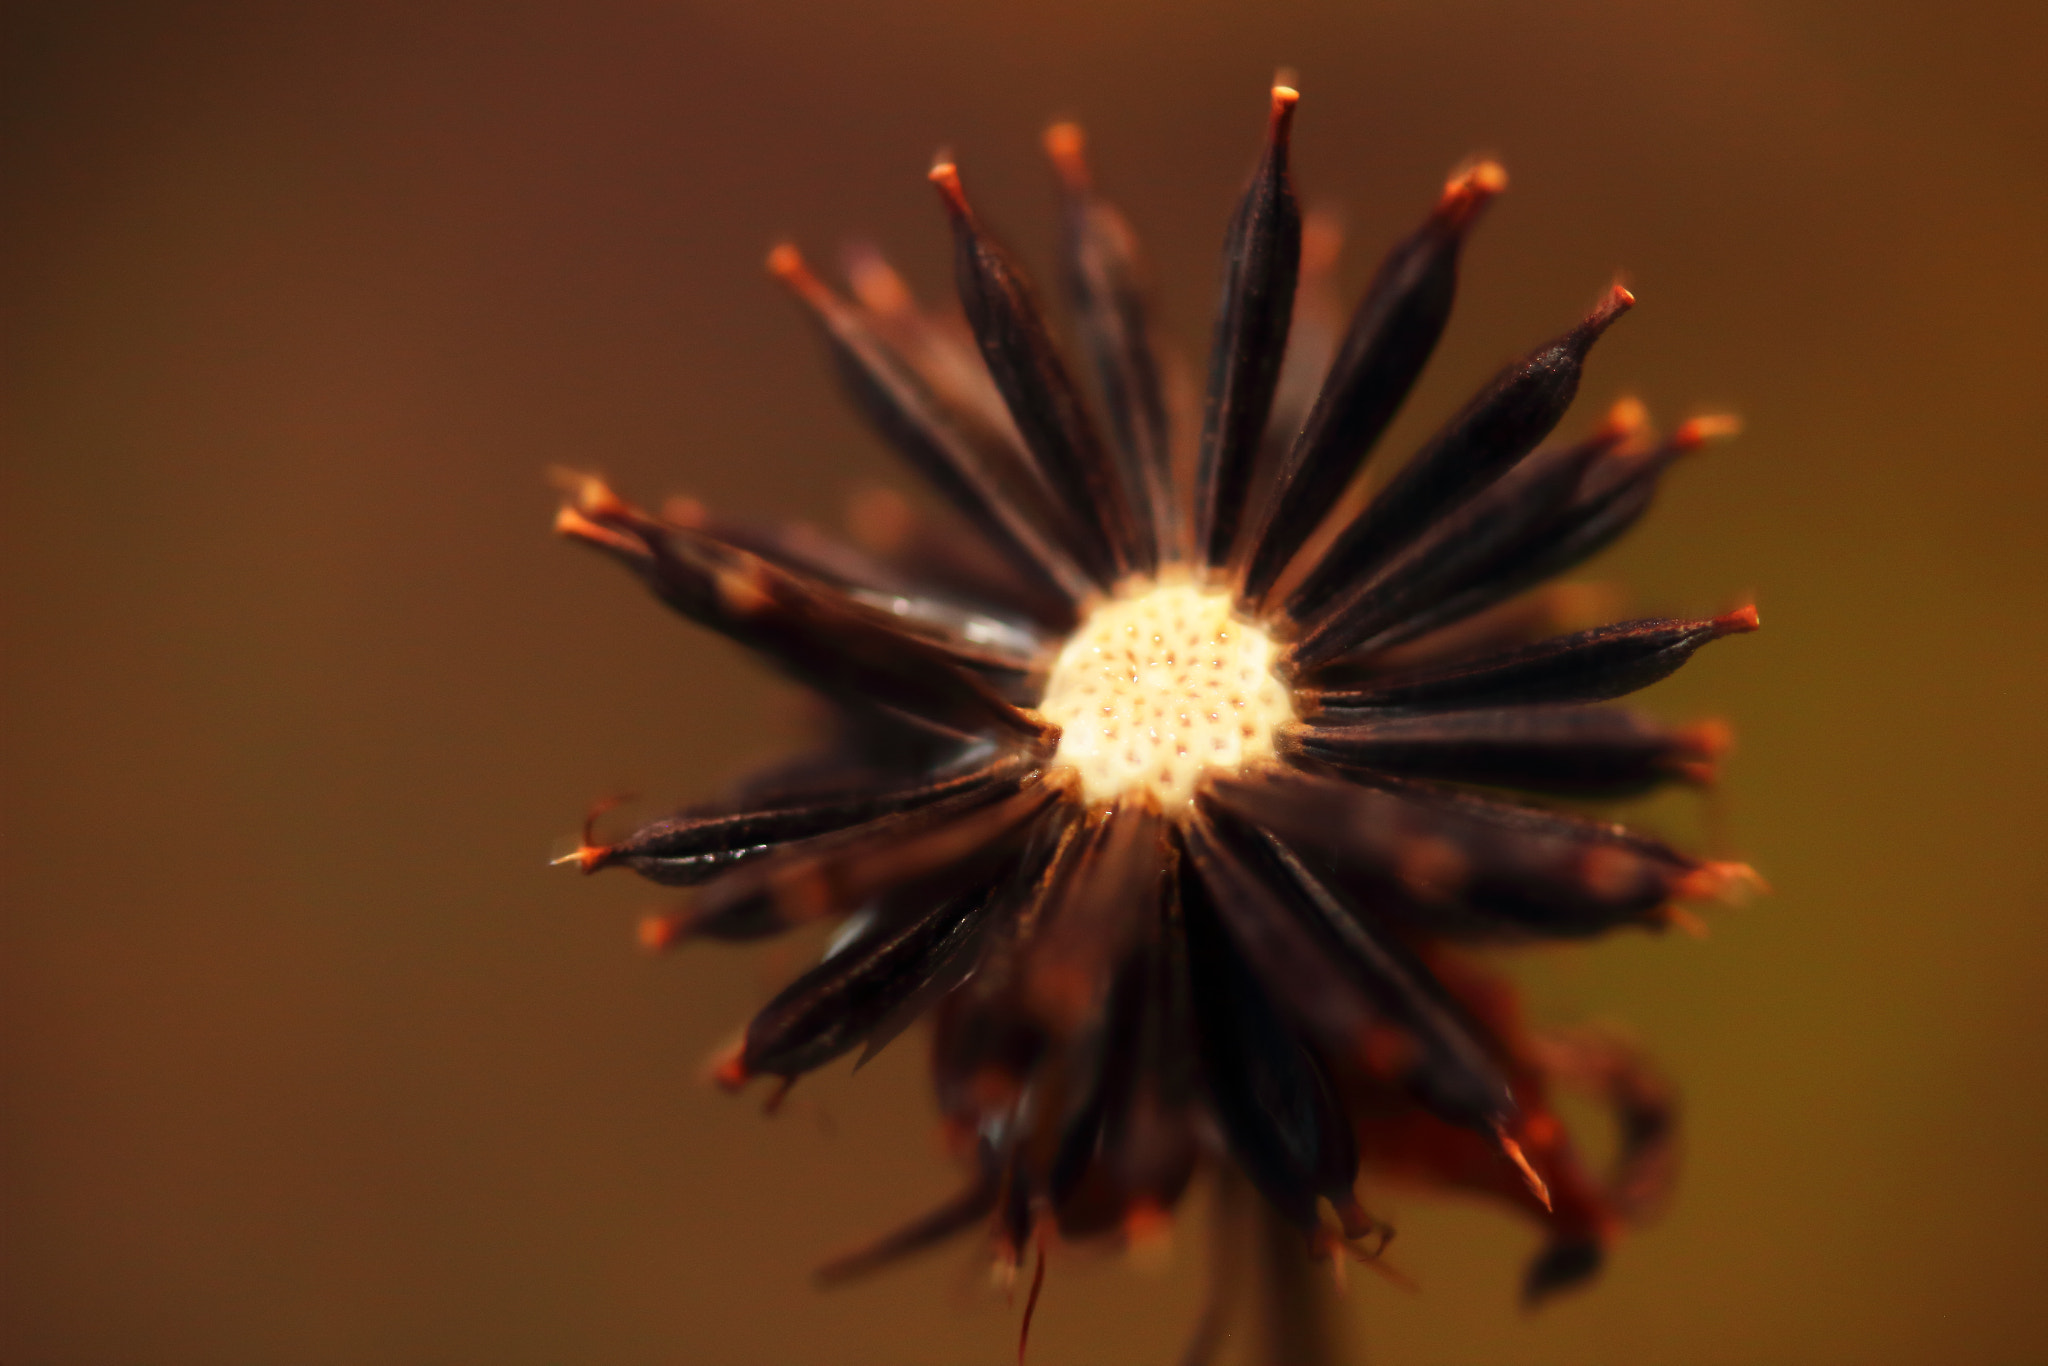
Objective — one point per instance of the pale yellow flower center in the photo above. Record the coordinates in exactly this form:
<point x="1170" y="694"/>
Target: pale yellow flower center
<point x="1158" y="686"/>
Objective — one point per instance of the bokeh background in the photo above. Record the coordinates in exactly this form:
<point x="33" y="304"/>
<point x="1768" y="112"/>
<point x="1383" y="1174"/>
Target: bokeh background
<point x="307" y="1056"/>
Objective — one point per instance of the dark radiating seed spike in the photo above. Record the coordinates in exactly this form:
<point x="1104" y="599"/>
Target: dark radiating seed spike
<point x="997" y="647"/>
<point x="832" y="1008"/>
<point x="1391" y="337"/>
<point x="931" y="547"/>
<point x="1312" y="338"/>
<point x="1587" y="666"/>
<point x="1550" y="610"/>
<point x="1043" y="399"/>
<point x="1130" y="1146"/>
<point x="1470" y="866"/>
<point x="1105" y="279"/>
<point x="697" y="845"/>
<point x="1261" y="259"/>
<point x="1016" y="888"/>
<point x="1567" y="750"/>
<point x="810" y="629"/>
<point x="1496" y="524"/>
<point x="1280" y="950"/>
<point x="940" y="349"/>
<point x="964" y="1210"/>
<point x="1094" y="917"/>
<point x="1266" y="1090"/>
<point x="802" y="885"/>
<point x="907" y="413"/>
<point x="1001" y="648"/>
<point x="1341" y="978"/>
<point x="1493" y="431"/>
<point x="791" y="545"/>
<point x="1101" y="1083"/>
<point x="1617" y="491"/>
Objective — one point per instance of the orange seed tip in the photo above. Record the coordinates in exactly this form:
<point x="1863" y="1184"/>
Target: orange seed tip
<point x="1696" y="432"/>
<point x="573" y="524"/>
<point x="1684" y="921"/>
<point x="1513" y="1151"/>
<point x="1285" y="97"/>
<point x="1625" y="419"/>
<point x="658" y="932"/>
<point x="875" y="282"/>
<point x="1469" y="190"/>
<point x="1731" y="883"/>
<point x="1066" y="146"/>
<point x="1741" y="621"/>
<point x="787" y="265"/>
<point x="946" y="176"/>
<point x="729" y="1068"/>
<point x="1708" y="739"/>
<point x="586" y="857"/>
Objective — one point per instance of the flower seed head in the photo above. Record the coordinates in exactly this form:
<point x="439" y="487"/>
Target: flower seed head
<point x="1158" y="686"/>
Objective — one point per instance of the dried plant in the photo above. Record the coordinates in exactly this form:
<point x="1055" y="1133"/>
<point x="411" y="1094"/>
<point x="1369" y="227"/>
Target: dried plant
<point x="1171" y="784"/>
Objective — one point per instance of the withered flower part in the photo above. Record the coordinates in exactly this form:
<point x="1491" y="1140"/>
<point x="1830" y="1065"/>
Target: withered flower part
<point x="1173" y="788"/>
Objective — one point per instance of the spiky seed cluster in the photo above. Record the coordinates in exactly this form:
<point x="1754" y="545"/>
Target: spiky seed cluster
<point x="1169" y="795"/>
<point x="1156" y="688"/>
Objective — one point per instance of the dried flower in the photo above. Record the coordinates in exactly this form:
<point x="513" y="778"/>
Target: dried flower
<point x="1166" y="782"/>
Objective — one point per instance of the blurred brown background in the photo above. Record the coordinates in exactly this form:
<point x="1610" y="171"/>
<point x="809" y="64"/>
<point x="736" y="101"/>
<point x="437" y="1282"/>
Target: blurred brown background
<point x="307" y="1056"/>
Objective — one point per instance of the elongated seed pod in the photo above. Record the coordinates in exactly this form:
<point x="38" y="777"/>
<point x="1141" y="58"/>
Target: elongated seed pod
<point x="1586" y="666"/>
<point x="1261" y="256"/>
<point x="1497" y="428"/>
<point x="1391" y="336"/>
<point x="1043" y="399"/>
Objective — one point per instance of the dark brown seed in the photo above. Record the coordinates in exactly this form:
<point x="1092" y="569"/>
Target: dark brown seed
<point x="1587" y="666"/>
<point x="802" y="885"/>
<point x="1105" y="281"/>
<point x="1618" y="489"/>
<point x="808" y="628"/>
<point x="1343" y="978"/>
<point x="1000" y="647"/>
<point x="1268" y="1092"/>
<point x="695" y="846"/>
<point x="941" y="349"/>
<point x="832" y="1008"/>
<point x="912" y="419"/>
<point x="1132" y="1144"/>
<point x="1094" y="916"/>
<point x="932" y="546"/>
<point x="1261" y="258"/>
<point x="1493" y="431"/>
<point x="1043" y="399"/>
<point x="1566" y="750"/>
<point x="1497" y="523"/>
<point x="1469" y="866"/>
<point x="1391" y="336"/>
<point x="1550" y="610"/>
